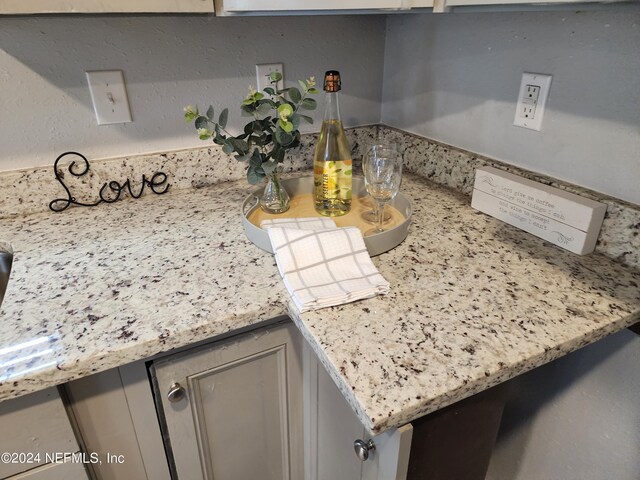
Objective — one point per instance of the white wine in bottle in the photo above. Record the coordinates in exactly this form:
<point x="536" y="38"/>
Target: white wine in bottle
<point x="332" y="159"/>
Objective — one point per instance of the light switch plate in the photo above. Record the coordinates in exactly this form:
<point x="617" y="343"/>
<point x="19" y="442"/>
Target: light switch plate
<point x="534" y="90"/>
<point x="109" y="96"/>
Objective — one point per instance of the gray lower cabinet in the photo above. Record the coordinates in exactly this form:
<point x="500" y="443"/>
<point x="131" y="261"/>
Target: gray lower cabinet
<point x="332" y="427"/>
<point x="233" y="409"/>
<point x="116" y="417"/>
<point x="257" y="405"/>
<point x="37" y="440"/>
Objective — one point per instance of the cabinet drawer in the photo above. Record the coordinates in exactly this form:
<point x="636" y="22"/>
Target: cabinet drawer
<point x="35" y="424"/>
<point x="54" y="471"/>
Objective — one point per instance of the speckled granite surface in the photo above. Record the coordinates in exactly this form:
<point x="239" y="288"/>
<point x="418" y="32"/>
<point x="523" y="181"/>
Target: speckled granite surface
<point x="94" y="288"/>
<point x="29" y="191"/>
<point x="455" y="168"/>
<point x="473" y="302"/>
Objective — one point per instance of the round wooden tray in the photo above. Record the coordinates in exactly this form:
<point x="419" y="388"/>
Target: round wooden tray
<point x="300" y="190"/>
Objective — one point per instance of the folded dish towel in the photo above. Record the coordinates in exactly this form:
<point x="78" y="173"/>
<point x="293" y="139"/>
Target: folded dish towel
<point x="306" y="223"/>
<point x="323" y="268"/>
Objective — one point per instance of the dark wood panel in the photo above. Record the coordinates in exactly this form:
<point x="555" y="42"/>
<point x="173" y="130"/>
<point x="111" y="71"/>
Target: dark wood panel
<point x="456" y="442"/>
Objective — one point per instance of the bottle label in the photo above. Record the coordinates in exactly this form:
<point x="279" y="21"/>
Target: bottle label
<point x="332" y="184"/>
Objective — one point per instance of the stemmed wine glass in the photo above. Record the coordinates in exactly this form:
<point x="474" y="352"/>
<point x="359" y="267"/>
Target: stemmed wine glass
<point x="382" y="176"/>
<point x="382" y="150"/>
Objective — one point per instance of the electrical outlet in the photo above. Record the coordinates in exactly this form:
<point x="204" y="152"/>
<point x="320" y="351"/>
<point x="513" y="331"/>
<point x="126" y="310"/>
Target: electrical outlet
<point x="109" y="96"/>
<point x="262" y="75"/>
<point x="534" y="90"/>
<point x="528" y="109"/>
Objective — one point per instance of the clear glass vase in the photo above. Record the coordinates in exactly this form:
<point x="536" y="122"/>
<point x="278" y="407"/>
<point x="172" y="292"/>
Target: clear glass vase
<point x="275" y="198"/>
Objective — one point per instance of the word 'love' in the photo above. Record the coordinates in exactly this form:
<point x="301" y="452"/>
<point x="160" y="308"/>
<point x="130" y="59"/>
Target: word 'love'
<point x="109" y="192"/>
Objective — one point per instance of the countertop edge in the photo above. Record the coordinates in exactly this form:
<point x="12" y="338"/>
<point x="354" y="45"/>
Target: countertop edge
<point x="39" y="380"/>
<point x="465" y="390"/>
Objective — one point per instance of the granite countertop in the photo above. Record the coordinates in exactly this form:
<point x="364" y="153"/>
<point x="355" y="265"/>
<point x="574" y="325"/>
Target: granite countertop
<point x="473" y="301"/>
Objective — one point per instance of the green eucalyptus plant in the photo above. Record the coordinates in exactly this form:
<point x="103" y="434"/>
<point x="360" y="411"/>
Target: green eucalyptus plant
<point x="273" y="130"/>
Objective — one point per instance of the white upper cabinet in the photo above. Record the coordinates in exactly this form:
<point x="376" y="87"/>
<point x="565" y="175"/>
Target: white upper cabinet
<point x="463" y="3"/>
<point x="105" y="6"/>
<point x="246" y="6"/>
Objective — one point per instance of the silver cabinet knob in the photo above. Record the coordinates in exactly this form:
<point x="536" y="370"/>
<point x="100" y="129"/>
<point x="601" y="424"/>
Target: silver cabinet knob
<point x="363" y="448"/>
<point x="176" y="393"/>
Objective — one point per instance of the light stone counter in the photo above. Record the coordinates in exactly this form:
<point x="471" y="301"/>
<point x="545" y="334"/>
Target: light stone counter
<point x="473" y="301"/>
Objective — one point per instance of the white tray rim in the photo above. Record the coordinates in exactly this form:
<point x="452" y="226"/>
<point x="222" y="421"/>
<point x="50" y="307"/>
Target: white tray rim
<point x="376" y="244"/>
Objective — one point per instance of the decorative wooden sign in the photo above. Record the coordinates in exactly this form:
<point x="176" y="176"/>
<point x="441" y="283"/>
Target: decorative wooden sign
<point x="109" y="192"/>
<point x="567" y="220"/>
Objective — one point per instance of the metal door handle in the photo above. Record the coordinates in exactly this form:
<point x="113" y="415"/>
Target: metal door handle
<point x="176" y="393"/>
<point x="363" y="448"/>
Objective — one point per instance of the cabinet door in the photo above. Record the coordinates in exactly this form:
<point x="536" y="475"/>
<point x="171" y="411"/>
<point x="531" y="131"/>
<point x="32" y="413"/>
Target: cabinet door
<point x="36" y="426"/>
<point x="104" y="6"/>
<point x="241" y="412"/>
<point x="331" y="427"/>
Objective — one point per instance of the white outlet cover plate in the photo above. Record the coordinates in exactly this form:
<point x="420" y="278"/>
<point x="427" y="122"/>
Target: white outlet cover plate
<point x="109" y="96"/>
<point x="536" y="79"/>
<point x="262" y="74"/>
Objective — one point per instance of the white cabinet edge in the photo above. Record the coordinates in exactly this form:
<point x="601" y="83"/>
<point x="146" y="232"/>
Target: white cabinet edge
<point x="135" y="383"/>
<point x="294" y="7"/>
<point x="462" y="3"/>
<point x="390" y="461"/>
<point x="105" y="6"/>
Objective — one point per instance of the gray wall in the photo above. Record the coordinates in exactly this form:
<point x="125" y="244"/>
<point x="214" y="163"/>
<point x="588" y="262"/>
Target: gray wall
<point x="449" y="77"/>
<point x="455" y="78"/>
<point x="575" y="419"/>
<point x="168" y="62"/>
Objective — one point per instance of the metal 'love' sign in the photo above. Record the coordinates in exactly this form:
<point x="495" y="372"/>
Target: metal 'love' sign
<point x="109" y="192"/>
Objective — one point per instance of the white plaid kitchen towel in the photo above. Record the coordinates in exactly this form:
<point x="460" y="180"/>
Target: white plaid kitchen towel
<point x="303" y="223"/>
<point x="323" y="268"/>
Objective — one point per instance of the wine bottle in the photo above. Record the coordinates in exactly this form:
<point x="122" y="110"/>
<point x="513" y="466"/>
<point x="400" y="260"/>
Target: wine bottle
<point x="332" y="159"/>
